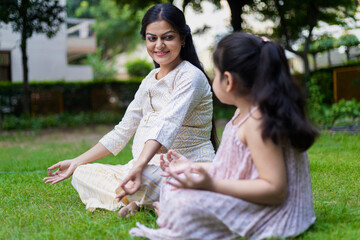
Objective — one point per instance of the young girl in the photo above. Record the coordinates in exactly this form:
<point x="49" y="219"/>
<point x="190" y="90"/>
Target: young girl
<point x="258" y="185"/>
<point x="172" y="109"/>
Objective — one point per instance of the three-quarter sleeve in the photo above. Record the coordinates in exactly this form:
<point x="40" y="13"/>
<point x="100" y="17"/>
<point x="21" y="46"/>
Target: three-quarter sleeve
<point x="117" y="139"/>
<point x="189" y="89"/>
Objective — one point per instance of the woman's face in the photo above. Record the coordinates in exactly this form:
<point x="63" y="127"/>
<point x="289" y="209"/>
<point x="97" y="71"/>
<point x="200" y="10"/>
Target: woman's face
<point x="163" y="43"/>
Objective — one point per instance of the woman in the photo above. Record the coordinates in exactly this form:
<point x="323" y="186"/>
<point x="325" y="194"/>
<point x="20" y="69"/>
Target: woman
<point x="172" y="109"/>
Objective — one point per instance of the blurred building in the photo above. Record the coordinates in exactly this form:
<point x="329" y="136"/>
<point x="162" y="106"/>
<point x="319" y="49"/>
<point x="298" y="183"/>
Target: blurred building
<point x="48" y="58"/>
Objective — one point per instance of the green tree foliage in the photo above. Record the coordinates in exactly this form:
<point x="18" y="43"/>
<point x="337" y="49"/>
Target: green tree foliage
<point x="314" y="50"/>
<point x="101" y="68"/>
<point x="28" y="17"/>
<point x="348" y="41"/>
<point x="72" y="7"/>
<point x="117" y="27"/>
<point x="236" y="7"/>
<point x="140" y="4"/>
<point x="296" y="20"/>
<point x="326" y="43"/>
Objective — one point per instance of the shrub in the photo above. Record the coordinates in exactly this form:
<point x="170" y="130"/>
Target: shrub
<point x="138" y="67"/>
<point x="76" y="96"/>
<point x="324" y="80"/>
<point x="12" y="122"/>
<point x="315" y="101"/>
<point x="343" y="112"/>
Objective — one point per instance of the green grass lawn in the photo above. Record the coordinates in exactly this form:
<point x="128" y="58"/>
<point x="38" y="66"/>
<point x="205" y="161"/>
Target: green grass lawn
<point x="31" y="209"/>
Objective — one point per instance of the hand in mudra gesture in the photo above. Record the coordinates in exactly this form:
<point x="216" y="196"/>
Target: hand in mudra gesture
<point x="185" y="173"/>
<point x="64" y="170"/>
<point x="174" y="162"/>
<point x="130" y="184"/>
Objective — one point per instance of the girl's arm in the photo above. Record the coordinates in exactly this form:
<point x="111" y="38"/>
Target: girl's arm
<point x="204" y="165"/>
<point x="269" y="188"/>
<point x="271" y="185"/>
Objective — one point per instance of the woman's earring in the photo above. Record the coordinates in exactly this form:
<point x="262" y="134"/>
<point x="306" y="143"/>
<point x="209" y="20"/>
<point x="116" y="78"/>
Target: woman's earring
<point x="183" y="45"/>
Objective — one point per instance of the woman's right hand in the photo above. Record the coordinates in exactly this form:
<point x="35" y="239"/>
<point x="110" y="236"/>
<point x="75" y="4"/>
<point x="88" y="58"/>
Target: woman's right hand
<point x="65" y="170"/>
<point x="174" y="162"/>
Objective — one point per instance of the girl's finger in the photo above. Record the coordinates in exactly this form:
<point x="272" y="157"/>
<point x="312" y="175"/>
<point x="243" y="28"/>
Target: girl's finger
<point x="162" y="157"/>
<point x="175" y="154"/>
<point x="165" y="174"/>
<point x="163" y="163"/>
<point x="174" y="171"/>
<point x="177" y="178"/>
<point x="168" y="155"/>
<point x="199" y="170"/>
<point x="175" y="185"/>
<point x="188" y="175"/>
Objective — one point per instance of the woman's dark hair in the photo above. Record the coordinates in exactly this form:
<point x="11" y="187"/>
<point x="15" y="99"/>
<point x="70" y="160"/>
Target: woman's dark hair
<point x="261" y="71"/>
<point x="175" y="17"/>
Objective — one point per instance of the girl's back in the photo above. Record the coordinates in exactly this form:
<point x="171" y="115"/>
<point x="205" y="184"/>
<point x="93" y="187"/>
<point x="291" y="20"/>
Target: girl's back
<point x="233" y="161"/>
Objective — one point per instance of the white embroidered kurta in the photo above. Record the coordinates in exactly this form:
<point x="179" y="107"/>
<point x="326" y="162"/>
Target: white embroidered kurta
<point x="176" y="111"/>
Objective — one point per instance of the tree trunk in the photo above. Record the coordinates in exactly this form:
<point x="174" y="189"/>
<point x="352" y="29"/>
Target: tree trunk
<point x="329" y="57"/>
<point x="26" y="87"/>
<point x="347" y="52"/>
<point x="306" y="66"/>
<point x="236" y="11"/>
<point x="314" y="59"/>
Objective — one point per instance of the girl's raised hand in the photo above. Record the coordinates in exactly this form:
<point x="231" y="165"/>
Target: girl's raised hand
<point x="164" y="164"/>
<point x="194" y="177"/>
<point x="174" y="162"/>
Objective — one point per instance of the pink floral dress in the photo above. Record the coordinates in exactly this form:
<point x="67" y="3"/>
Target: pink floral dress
<point x="196" y="214"/>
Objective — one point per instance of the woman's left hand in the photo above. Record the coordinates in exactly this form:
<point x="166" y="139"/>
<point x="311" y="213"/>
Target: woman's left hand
<point x="131" y="183"/>
<point x="194" y="177"/>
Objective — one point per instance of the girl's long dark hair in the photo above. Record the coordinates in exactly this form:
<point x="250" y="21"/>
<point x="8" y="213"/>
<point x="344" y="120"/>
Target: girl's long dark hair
<point x="262" y="72"/>
<point x="175" y="17"/>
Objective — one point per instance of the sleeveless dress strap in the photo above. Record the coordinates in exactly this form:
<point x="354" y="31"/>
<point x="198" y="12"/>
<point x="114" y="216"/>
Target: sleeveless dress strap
<point x="247" y="116"/>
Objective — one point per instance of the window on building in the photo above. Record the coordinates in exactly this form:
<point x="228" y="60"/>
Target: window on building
<point x="5" y="66"/>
